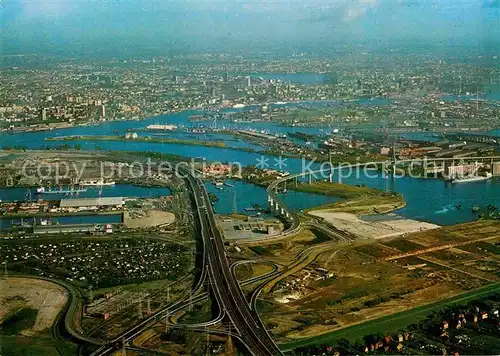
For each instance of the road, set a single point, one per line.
(392, 322)
(294, 219)
(215, 267)
(250, 329)
(228, 293)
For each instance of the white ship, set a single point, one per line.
(468, 179)
(42, 190)
(97, 183)
(168, 127)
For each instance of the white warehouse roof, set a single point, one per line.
(107, 201)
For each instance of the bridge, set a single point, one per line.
(226, 288)
(246, 324)
(279, 208)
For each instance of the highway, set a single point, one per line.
(250, 329)
(227, 291)
(249, 326)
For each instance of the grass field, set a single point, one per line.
(18, 321)
(358, 200)
(140, 139)
(260, 250)
(337, 189)
(391, 323)
(42, 345)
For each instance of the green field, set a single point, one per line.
(357, 199)
(20, 320)
(260, 250)
(390, 323)
(13, 343)
(140, 139)
(41, 345)
(336, 189)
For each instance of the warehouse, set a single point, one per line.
(92, 203)
(65, 228)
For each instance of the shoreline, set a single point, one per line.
(377, 229)
(347, 215)
(149, 139)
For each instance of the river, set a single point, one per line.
(427, 199)
(118, 190)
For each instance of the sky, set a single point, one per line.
(159, 26)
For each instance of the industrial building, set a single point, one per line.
(495, 170)
(92, 203)
(252, 228)
(65, 229)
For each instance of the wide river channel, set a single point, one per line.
(431, 200)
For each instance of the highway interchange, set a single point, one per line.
(219, 276)
(227, 290)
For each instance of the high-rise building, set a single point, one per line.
(249, 82)
(44, 114)
(103, 111)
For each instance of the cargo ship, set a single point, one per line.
(42, 190)
(97, 183)
(468, 179)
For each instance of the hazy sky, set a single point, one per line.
(100, 25)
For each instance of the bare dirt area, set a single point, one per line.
(46, 297)
(150, 218)
(351, 284)
(372, 229)
(475, 231)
